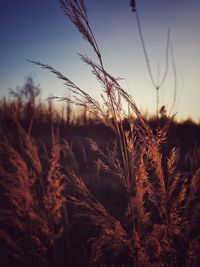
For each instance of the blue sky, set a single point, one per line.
(38, 30)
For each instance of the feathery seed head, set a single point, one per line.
(133, 5)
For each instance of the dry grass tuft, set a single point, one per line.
(31, 212)
(108, 240)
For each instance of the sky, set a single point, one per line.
(38, 30)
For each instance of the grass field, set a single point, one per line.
(65, 200)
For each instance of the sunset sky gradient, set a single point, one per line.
(38, 30)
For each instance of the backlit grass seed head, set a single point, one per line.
(133, 5)
(54, 199)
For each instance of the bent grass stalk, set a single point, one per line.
(156, 84)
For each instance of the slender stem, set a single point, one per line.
(168, 230)
(144, 49)
(133, 229)
(175, 78)
(157, 101)
(167, 217)
(166, 60)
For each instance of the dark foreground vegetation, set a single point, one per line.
(64, 202)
